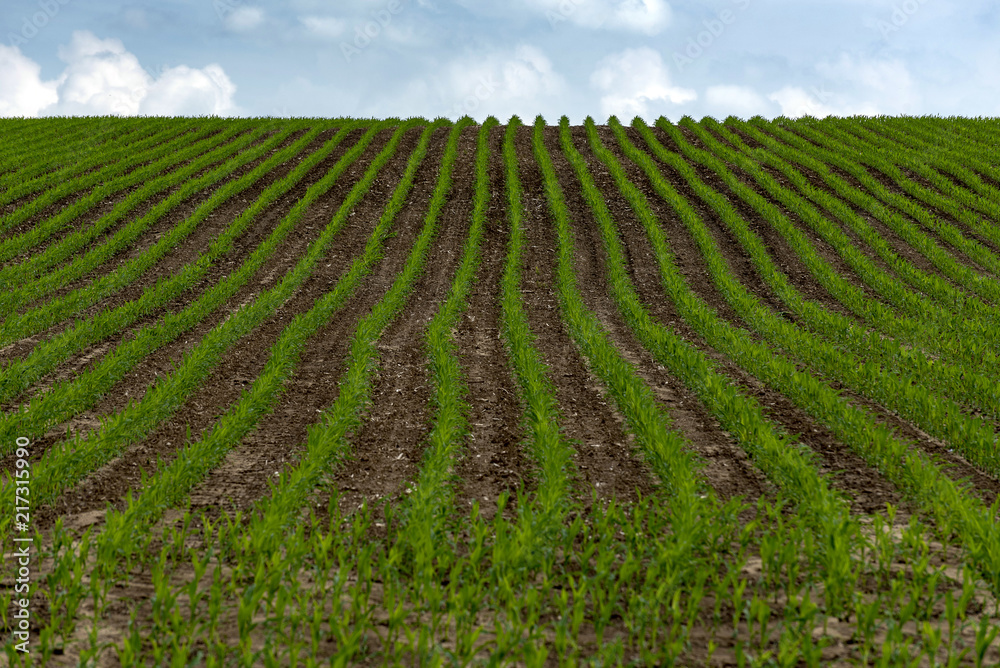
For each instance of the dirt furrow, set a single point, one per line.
(244, 362)
(605, 453)
(956, 466)
(188, 249)
(495, 460)
(823, 248)
(727, 467)
(865, 487)
(55, 207)
(946, 217)
(781, 252)
(895, 242)
(88, 218)
(285, 256)
(386, 451)
(200, 237)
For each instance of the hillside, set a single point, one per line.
(284, 392)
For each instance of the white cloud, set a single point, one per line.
(886, 85)
(741, 101)
(502, 84)
(243, 19)
(326, 27)
(649, 17)
(185, 91)
(853, 86)
(518, 81)
(22, 92)
(630, 80)
(644, 16)
(102, 78)
(795, 101)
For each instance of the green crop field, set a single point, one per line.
(409, 392)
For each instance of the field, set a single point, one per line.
(379, 392)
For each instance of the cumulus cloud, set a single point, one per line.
(187, 91)
(500, 83)
(648, 17)
(796, 101)
(852, 86)
(243, 19)
(632, 79)
(730, 100)
(102, 78)
(643, 16)
(885, 85)
(22, 92)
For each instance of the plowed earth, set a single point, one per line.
(388, 449)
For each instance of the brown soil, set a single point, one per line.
(605, 456)
(201, 237)
(727, 468)
(243, 363)
(896, 243)
(60, 204)
(196, 243)
(494, 460)
(386, 451)
(89, 217)
(867, 490)
(783, 254)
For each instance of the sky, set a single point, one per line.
(449, 58)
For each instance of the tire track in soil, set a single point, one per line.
(189, 248)
(864, 487)
(246, 359)
(95, 213)
(495, 459)
(604, 457)
(257, 232)
(727, 467)
(387, 450)
(206, 230)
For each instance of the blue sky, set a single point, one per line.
(379, 58)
